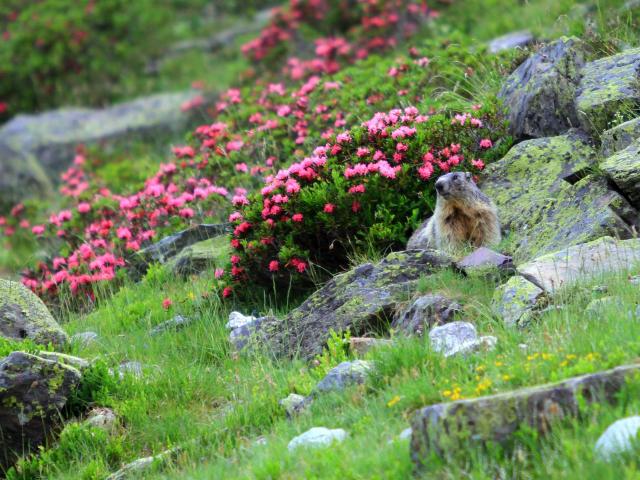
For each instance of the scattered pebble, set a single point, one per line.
(317, 437)
(618, 438)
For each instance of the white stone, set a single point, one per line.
(405, 434)
(318, 437)
(452, 338)
(618, 438)
(237, 320)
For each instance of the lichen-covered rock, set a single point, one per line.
(358, 300)
(23, 315)
(248, 333)
(619, 437)
(546, 200)
(424, 313)
(20, 176)
(513, 300)
(539, 94)
(344, 375)
(84, 339)
(137, 467)
(454, 338)
(238, 319)
(607, 86)
(511, 40)
(598, 306)
(174, 324)
(76, 362)
(102, 418)
(172, 245)
(623, 168)
(446, 426)
(33, 391)
(201, 256)
(620, 137)
(293, 404)
(317, 437)
(581, 262)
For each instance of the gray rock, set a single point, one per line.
(202, 256)
(52, 137)
(293, 404)
(454, 338)
(539, 94)
(620, 137)
(170, 246)
(424, 313)
(406, 434)
(547, 200)
(237, 320)
(581, 262)
(75, 362)
(485, 258)
(607, 86)
(511, 40)
(623, 168)
(361, 345)
(249, 333)
(344, 375)
(176, 323)
(635, 280)
(84, 339)
(102, 418)
(21, 176)
(357, 300)
(33, 391)
(23, 315)
(317, 437)
(130, 368)
(514, 299)
(496, 417)
(137, 467)
(598, 306)
(619, 437)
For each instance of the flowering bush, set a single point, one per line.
(341, 32)
(51, 47)
(367, 187)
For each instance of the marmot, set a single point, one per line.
(463, 215)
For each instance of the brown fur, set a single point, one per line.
(463, 215)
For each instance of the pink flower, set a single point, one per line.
(242, 167)
(38, 229)
(486, 143)
(186, 213)
(329, 207)
(274, 266)
(166, 303)
(84, 207)
(298, 217)
(479, 164)
(218, 273)
(357, 189)
(355, 206)
(123, 233)
(227, 292)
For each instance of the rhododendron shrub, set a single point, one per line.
(100, 232)
(366, 187)
(340, 31)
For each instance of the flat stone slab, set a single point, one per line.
(485, 258)
(607, 86)
(358, 300)
(495, 418)
(582, 262)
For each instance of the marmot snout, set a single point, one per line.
(463, 215)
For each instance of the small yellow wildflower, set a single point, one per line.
(499, 364)
(393, 401)
(506, 377)
(191, 296)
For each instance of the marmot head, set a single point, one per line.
(458, 185)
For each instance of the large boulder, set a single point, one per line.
(516, 299)
(624, 170)
(511, 40)
(547, 199)
(360, 300)
(539, 94)
(23, 315)
(32, 393)
(47, 142)
(582, 262)
(425, 312)
(447, 426)
(201, 256)
(607, 86)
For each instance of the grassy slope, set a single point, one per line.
(195, 392)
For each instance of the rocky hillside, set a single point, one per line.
(234, 282)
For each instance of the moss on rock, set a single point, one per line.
(517, 297)
(620, 137)
(624, 169)
(23, 315)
